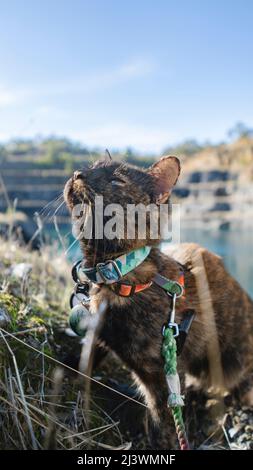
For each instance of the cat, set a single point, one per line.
(223, 324)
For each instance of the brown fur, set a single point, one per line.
(133, 326)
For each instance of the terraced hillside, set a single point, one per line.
(31, 184)
(215, 185)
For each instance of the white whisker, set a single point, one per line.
(50, 203)
(56, 210)
(73, 243)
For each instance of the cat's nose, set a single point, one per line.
(77, 174)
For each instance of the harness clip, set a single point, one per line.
(171, 323)
(175, 328)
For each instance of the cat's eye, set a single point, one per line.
(117, 182)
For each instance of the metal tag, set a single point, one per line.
(79, 319)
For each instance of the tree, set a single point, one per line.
(240, 130)
(187, 147)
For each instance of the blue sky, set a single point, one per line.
(137, 73)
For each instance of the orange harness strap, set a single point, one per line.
(127, 290)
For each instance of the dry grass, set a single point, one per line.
(41, 401)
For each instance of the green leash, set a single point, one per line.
(175, 400)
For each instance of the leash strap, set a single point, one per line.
(184, 327)
(173, 340)
(175, 399)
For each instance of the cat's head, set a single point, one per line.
(125, 186)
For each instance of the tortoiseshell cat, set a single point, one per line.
(133, 325)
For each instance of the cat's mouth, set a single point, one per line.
(78, 203)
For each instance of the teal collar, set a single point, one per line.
(112, 270)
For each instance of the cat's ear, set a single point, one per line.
(165, 174)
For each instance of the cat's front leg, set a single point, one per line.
(160, 425)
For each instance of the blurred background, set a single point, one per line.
(141, 79)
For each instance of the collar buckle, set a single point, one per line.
(108, 275)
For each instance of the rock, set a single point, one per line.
(232, 432)
(244, 417)
(235, 430)
(4, 318)
(251, 420)
(21, 270)
(236, 420)
(243, 438)
(249, 429)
